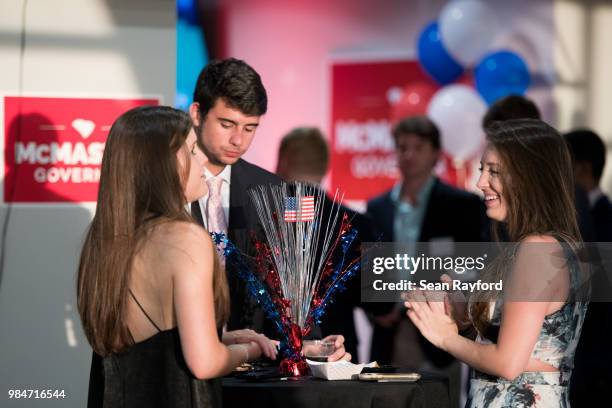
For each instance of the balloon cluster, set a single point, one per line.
(462, 39)
(460, 42)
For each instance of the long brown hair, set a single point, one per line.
(538, 186)
(140, 187)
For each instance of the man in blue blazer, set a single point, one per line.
(419, 208)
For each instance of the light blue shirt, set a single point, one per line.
(409, 218)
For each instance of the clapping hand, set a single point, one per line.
(455, 304)
(430, 315)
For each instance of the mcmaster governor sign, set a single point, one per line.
(53, 146)
(365, 98)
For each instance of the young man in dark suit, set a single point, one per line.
(229, 101)
(419, 208)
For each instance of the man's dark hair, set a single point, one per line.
(420, 126)
(234, 81)
(510, 107)
(587, 146)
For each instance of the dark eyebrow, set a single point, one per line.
(233, 122)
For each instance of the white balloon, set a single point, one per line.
(468, 28)
(457, 110)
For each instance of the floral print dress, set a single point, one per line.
(556, 345)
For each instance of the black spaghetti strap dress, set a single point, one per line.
(151, 373)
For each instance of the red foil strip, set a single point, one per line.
(294, 364)
(294, 368)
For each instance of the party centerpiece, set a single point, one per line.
(302, 263)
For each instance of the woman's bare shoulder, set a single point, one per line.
(181, 231)
(179, 242)
(539, 246)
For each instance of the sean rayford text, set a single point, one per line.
(413, 264)
(454, 285)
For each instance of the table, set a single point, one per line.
(429, 392)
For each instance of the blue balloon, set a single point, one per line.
(188, 10)
(500, 74)
(434, 58)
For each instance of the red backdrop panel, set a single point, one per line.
(363, 162)
(53, 146)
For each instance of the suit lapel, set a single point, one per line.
(242, 222)
(237, 218)
(388, 220)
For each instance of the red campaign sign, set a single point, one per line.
(363, 162)
(53, 146)
(367, 99)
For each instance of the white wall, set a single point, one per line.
(584, 64)
(72, 48)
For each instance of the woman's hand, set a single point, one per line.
(455, 304)
(245, 336)
(431, 318)
(253, 350)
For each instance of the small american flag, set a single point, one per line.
(290, 209)
(305, 211)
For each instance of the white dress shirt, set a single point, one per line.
(226, 175)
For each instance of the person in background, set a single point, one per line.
(510, 107)
(589, 154)
(229, 102)
(420, 208)
(303, 155)
(520, 107)
(592, 375)
(150, 292)
(523, 354)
